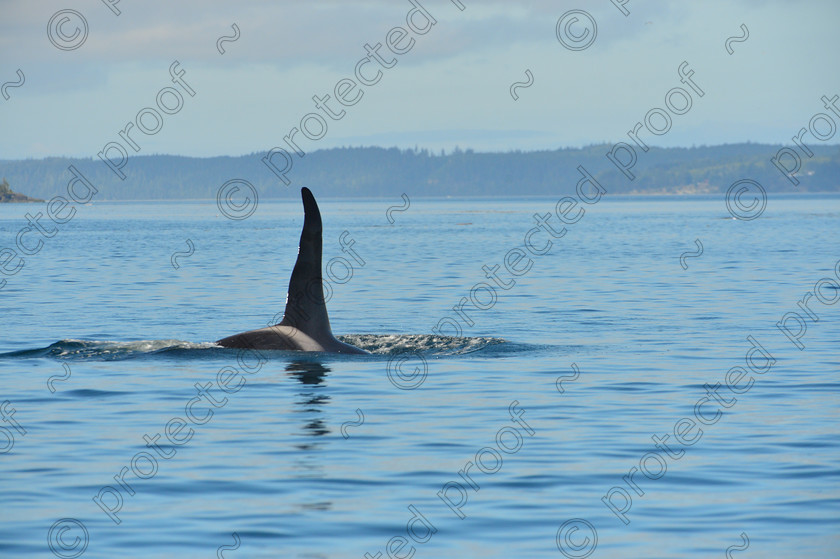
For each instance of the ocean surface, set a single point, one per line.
(606, 399)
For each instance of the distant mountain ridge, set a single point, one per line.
(381, 172)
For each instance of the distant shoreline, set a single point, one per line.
(607, 197)
(9, 196)
(26, 200)
(387, 173)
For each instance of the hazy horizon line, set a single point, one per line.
(432, 151)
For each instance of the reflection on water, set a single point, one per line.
(307, 372)
(311, 375)
(310, 402)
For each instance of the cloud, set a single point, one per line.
(451, 88)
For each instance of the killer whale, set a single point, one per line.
(306, 324)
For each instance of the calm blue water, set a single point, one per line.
(126, 337)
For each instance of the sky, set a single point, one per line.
(588, 72)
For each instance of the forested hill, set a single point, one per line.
(389, 172)
(7, 195)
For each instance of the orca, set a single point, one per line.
(306, 324)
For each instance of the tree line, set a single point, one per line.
(388, 172)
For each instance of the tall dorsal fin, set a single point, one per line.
(305, 306)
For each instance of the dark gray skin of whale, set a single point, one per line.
(306, 324)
